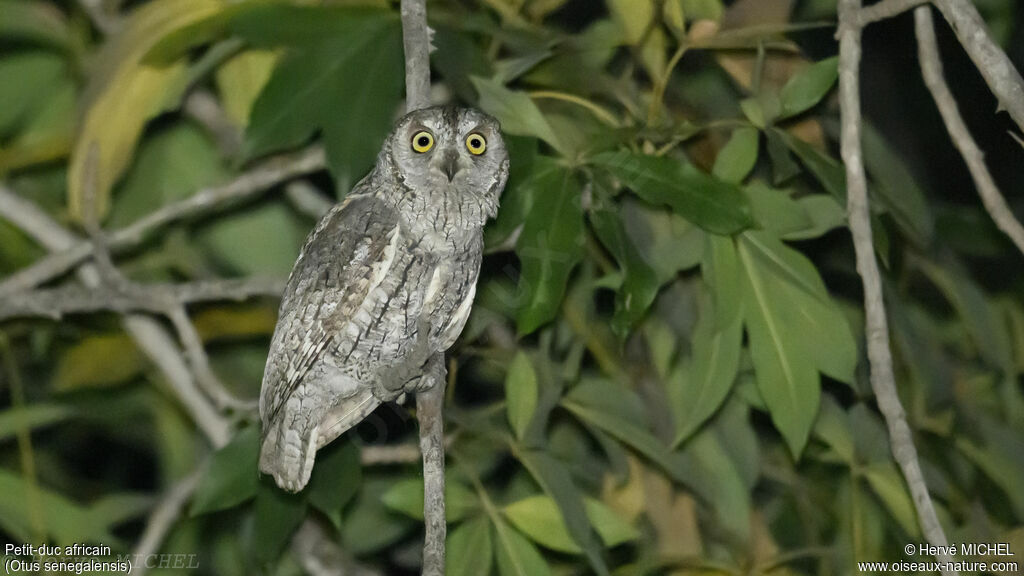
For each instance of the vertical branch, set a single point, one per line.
(429, 402)
(416, 40)
(931, 69)
(876, 325)
(429, 406)
(1003, 79)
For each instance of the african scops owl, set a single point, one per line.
(382, 287)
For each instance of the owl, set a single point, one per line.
(382, 287)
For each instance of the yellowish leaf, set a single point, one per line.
(235, 322)
(240, 80)
(99, 361)
(124, 94)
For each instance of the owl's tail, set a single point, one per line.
(291, 440)
(289, 449)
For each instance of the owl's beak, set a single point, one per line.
(450, 164)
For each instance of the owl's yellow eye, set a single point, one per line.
(422, 141)
(476, 144)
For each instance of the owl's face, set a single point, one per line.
(456, 150)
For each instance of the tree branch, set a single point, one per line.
(876, 324)
(931, 69)
(1003, 79)
(54, 303)
(429, 403)
(429, 412)
(158, 345)
(248, 184)
(416, 41)
(162, 520)
(148, 334)
(885, 9)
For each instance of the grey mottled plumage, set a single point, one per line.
(382, 287)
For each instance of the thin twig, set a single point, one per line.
(162, 520)
(885, 9)
(876, 326)
(202, 107)
(104, 21)
(158, 345)
(931, 69)
(54, 303)
(320, 556)
(305, 198)
(247, 185)
(149, 335)
(1003, 79)
(200, 363)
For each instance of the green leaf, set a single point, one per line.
(520, 393)
(538, 517)
(516, 111)
(241, 79)
(783, 165)
(272, 24)
(897, 189)
(469, 549)
(24, 77)
(739, 155)
(706, 201)
(786, 377)
(979, 316)
(612, 528)
(809, 86)
(240, 241)
(118, 508)
(370, 525)
(32, 417)
(516, 200)
(640, 284)
(336, 477)
(818, 326)
(618, 412)
(24, 505)
(232, 476)
(550, 244)
(713, 475)
(667, 242)
(516, 555)
(775, 210)
(825, 215)
(458, 58)
(406, 496)
(721, 270)
(87, 363)
(826, 169)
(124, 86)
(887, 484)
(833, 426)
(712, 371)
(999, 459)
(555, 480)
(312, 83)
(170, 166)
(277, 515)
(38, 22)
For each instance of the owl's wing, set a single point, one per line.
(336, 270)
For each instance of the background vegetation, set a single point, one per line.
(664, 372)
